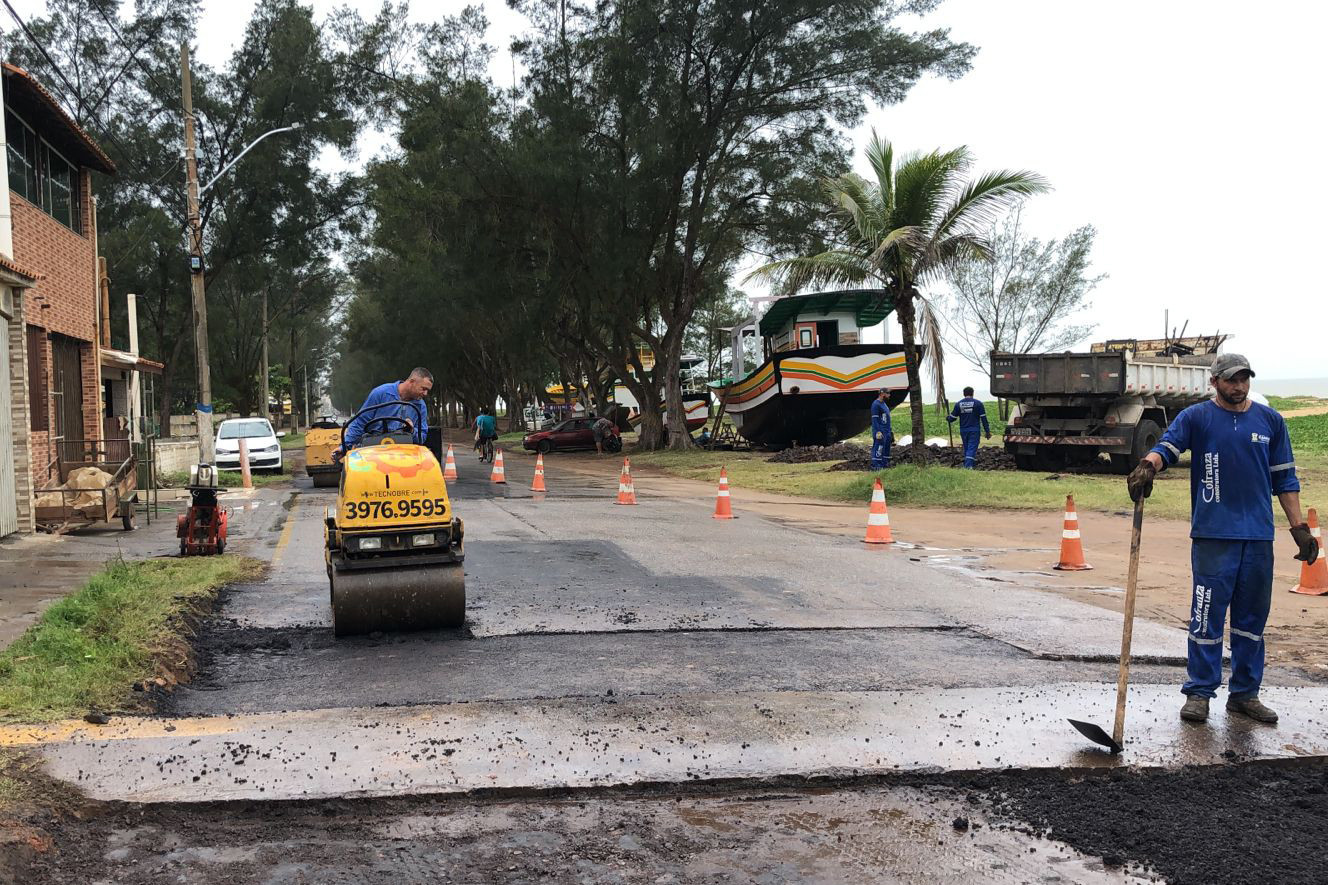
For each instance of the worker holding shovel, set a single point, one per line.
(1241, 458)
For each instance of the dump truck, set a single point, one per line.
(1117, 399)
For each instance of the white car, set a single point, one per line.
(264, 446)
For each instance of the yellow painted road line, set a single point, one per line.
(284, 540)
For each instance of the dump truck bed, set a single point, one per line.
(1172, 380)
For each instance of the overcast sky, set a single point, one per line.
(1188, 133)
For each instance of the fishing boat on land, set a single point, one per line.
(817, 380)
(696, 396)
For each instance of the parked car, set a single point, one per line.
(538, 419)
(574, 433)
(264, 446)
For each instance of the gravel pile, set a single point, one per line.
(812, 454)
(989, 458)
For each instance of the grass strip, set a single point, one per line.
(227, 479)
(912, 486)
(125, 625)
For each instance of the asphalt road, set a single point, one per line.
(747, 692)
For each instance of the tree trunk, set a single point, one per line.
(165, 391)
(905, 311)
(669, 360)
(650, 432)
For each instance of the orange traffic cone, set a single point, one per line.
(1314, 578)
(537, 485)
(1072, 548)
(498, 474)
(723, 507)
(626, 493)
(449, 466)
(878, 520)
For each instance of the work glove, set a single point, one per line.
(337, 454)
(1308, 544)
(1140, 481)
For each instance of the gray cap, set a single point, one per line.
(1228, 364)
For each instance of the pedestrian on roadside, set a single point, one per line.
(882, 439)
(969, 412)
(1241, 458)
(600, 429)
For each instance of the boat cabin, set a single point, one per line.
(810, 322)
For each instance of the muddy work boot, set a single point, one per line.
(1251, 707)
(1195, 709)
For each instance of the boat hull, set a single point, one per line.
(696, 408)
(815, 397)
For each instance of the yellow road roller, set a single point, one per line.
(319, 444)
(394, 549)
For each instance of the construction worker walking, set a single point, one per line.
(1241, 458)
(970, 412)
(882, 439)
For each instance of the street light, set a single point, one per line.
(224, 169)
(202, 408)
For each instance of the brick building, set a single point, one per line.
(48, 243)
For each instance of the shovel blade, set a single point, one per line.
(1095, 734)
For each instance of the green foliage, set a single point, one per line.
(1309, 433)
(545, 235)
(272, 222)
(1024, 297)
(920, 215)
(89, 648)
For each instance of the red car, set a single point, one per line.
(574, 433)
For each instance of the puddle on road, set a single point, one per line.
(903, 834)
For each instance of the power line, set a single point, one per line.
(133, 55)
(73, 91)
(40, 48)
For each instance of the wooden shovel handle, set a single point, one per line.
(1127, 631)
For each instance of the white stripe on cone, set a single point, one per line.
(1070, 533)
(878, 519)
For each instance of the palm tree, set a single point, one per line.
(903, 231)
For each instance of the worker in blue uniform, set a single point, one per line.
(413, 390)
(882, 439)
(970, 413)
(1241, 457)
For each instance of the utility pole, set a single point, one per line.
(263, 365)
(202, 408)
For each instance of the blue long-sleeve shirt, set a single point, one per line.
(1240, 460)
(969, 411)
(386, 393)
(880, 417)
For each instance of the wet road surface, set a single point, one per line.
(612, 645)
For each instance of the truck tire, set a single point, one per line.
(1146, 435)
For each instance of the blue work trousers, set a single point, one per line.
(1237, 575)
(880, 453)
(970, 438)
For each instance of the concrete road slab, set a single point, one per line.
(575, 743)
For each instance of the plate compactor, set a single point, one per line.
(393, 547)
(202, 528)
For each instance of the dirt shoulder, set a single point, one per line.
(1025, 545)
